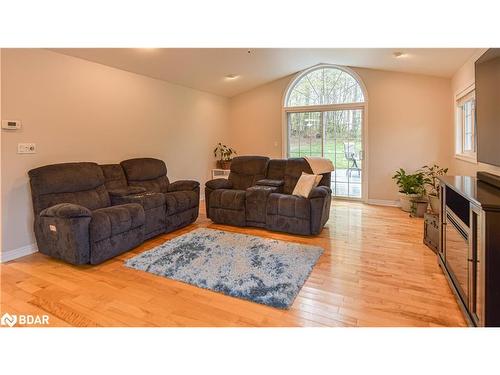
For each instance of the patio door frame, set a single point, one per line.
(328, 108)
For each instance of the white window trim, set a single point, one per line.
(360, 105)
(467, 156)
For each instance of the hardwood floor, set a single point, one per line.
(375, 271)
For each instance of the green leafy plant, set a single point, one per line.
(431, 174)
(225, 153)
(410, 183)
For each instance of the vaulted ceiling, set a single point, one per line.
(207, 68)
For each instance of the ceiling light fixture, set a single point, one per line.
(231, 77)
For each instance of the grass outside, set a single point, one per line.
(333, 150)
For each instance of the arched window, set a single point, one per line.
(324, 85)
(324, 110)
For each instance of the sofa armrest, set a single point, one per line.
(62, 231)
(66, 211)
(210, 186)
(320, 198)
(320, 192)
(219, 183)
(183, 185)
(129, 190)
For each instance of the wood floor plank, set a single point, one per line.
(374, 271)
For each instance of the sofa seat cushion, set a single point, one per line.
(111, 221)
(228, 199)
(151, 200)
(180, 201)
(289, 206)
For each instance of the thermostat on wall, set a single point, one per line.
(11, 124)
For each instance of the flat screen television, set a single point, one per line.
(488, 107)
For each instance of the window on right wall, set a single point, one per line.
(465, 117)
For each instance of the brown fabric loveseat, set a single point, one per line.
(258, 193)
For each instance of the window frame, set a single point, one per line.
(329, 107)
(466, 96)
(291, 86)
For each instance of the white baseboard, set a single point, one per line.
(18, 253)
(384, 202)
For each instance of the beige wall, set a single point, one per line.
(255, 120)
(75, 110)
(408, 120)
(461, 80)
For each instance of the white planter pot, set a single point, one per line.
(405, 200)
(435, 203)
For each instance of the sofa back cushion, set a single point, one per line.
(293, 170)
(77, 183)
(149, 173)
(247, 170)
(276, 169)
(114, 176)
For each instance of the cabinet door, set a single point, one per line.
(442, 223)
(457, 256)
(476, 267)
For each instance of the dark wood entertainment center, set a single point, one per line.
(469, 251)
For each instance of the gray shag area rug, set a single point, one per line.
(261, 270)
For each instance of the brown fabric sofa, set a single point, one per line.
(258, 193)
(86, 213)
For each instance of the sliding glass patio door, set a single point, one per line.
(336, 135)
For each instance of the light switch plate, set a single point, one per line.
(26, 148)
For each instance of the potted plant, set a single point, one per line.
(225, 155)
(411, 187)
(431, 174)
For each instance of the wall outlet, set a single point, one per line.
(26, 148)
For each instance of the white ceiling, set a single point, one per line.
(205, 69)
